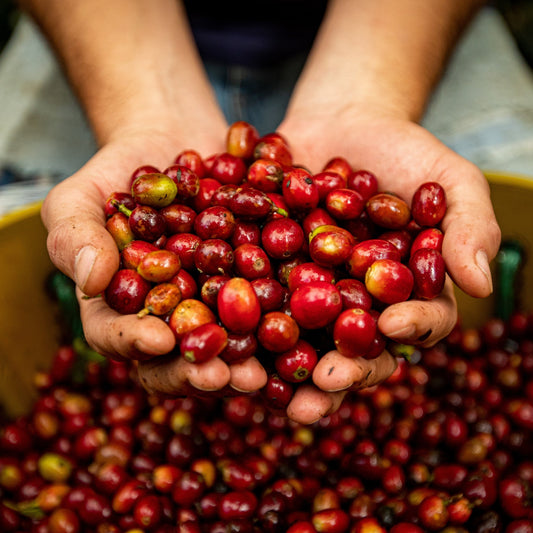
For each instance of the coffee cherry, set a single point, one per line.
(250, 204)
(344, 204)
(353, 332)
(147, 223)
(339, 165)
(192, 160)
(299, 190)
(155, 190)
(277, 331)
(184, 245)
(238, 306)
(210, 289)
(118, 226)
(365, 253)
(127, 291)
(228, 169)
(330, 248)
(215, 222)
(297, 364)
(270, 292)
(241, 139)
(315, 305)
(179, 218)
(428, 238)
(388, 211)
(282, 238)
(213, 256)
(159, 266)
(186, 180)
(278, 392)
(429, 273)
(429, 204)
(309, 272)
(251, 262)
(203, 343)
(116, 199)
(328, 181)
(354, 294)
(389, 281)
(364, 182)
(239, 347)
(273, 147)
(161, 300)
(132, 254)
(188, 315)
(265, 175)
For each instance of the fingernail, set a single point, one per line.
(242, 391)
(482, 263)
(84, 264)
(407, 332)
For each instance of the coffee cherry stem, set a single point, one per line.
(143, 312)
(122, 208)
(280, 211)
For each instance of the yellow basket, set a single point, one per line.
(29, 329)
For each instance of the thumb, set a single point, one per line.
(78, 243)
(471, 235)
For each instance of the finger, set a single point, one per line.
(173, 375)
(421, 322)
(471, 233)
(78, 243)
(248, 376)
(310, 404)
(112, 334)
(212, 375)
(334, 372)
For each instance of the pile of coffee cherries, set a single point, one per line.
(244, 253)
(444, 445)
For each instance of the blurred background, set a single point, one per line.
(483, 108)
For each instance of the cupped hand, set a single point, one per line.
(403, 155)
(81, 247)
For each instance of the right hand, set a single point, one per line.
(81, 247)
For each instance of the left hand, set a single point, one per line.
(402, 155)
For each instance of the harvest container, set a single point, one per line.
(29, 326)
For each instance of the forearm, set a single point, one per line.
(387, 54)
(130, 63)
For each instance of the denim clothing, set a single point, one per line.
(257, 95)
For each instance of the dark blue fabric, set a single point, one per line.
(254, 33)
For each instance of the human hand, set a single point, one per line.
(81, 247)
(403, 155)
